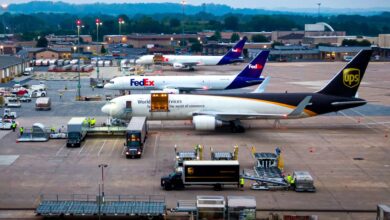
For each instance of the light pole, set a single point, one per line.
(120, 22)
(78, 23)
(98, 23)
(102, 165)
(183, 3)
(319, 7)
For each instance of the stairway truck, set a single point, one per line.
(136, 132)
(77, 130)
(204, 172)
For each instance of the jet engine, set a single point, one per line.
(171, 91)
(206, 122)
(178, 66)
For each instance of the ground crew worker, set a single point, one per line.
(13, 126)
(289, 179)
(242, 182)
(21, 130)
(292, 183)
(52, 130)
(89, 121)
(93, 121)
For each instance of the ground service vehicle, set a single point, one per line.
(12, 102)
(43, 103)
(8, 114)
(5, 124)
(77, 130)
(204, 172)
(303, 181)
(135, 137)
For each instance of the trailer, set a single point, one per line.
(136, 133)
(43, 103)
(207, 172)
(77, 130)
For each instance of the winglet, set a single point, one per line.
(301, 106)
(263, 85)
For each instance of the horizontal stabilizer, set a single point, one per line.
(301, 106)
(261, 88)
(348, 103)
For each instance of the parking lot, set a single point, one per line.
(347, 153)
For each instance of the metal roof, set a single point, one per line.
(7, 61)
(342, 49)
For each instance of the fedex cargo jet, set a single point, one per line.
(249, 76)
(188, 61)
(208, 111)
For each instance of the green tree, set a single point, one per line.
(352, 43)
(196, 47)
(216, 37)
(103, 50)
(42, 42)
(258, 38)
(231, 22)
(174, 22)
(235, 37)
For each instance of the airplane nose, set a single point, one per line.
(108, 86)
(138, 61)
(110, 109)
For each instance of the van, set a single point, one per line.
(43, 103)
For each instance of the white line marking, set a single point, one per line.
(59, 150)
(82, 147)
(113, 146)
(101, 148)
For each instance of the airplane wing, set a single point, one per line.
(186, 87)
(263, 85)
(230, 116)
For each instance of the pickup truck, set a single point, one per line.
(5, 124)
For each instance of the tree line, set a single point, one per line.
(30, 26)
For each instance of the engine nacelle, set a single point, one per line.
(171, 91)
(178, 66)
(206, 122)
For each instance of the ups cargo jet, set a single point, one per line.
(213, 110)
(189, 61)
(249, 76)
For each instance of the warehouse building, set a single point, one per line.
(10, 67)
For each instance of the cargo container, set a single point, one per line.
(77, 130)
(135, 137)
(43, 103)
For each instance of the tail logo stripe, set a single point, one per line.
(351, 77)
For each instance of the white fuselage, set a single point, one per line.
(184, 106)
(181, 59)
(175, 82)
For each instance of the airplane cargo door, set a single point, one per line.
(159, 102)
(128, 109)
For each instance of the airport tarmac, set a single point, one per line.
(347, 153)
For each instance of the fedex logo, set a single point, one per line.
(237, 50)
(256, 66)
(144, 82)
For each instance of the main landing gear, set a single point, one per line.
(236, 127)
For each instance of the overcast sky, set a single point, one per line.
(266, 4)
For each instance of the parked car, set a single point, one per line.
(25, 98)
(5, 124)
(12, 102)
(38, 93)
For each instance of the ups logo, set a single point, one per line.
(351, 77)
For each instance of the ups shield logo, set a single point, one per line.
(351, 77)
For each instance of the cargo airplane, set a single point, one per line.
(249, 76)
(208, 111)
(189, 61)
